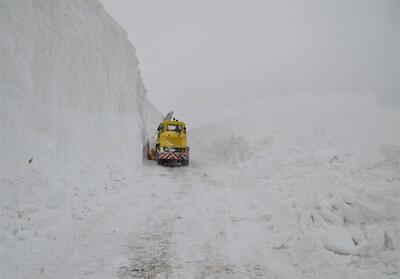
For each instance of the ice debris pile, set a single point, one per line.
(332, 208)
(346, 203)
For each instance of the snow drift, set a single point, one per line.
(328, 203)
(73, 110)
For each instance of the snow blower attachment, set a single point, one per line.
(170, 143)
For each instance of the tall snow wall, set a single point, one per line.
(73, 107)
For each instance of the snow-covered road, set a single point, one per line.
(193, 222)
(264, 217)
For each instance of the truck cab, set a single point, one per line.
(171, 146)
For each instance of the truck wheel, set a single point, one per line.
(185, 163)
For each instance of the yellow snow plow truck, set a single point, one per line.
(170, 143)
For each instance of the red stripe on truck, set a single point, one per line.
(172, 156)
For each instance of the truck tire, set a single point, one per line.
(185, 162)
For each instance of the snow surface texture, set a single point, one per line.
(76, 202)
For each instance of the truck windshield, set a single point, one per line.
(174, 128)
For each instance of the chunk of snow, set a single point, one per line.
(387, 242)
(371, 211)
(337, 239)
(363, 248)
(317, 219)
(377, 239)
(324, 202)
(353, 215)
(356, 234)
(331, 217)
(339, 213)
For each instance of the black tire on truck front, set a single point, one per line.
(185, 162)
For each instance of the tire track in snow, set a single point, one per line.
(138, 220)
(186, 237)
(149, 249)
(198, 245)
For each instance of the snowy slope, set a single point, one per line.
(73, 114)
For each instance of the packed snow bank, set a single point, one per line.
(73, 114)
(71, 86)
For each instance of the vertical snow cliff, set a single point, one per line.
(73, 107)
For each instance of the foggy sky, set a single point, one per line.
(199, 56)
